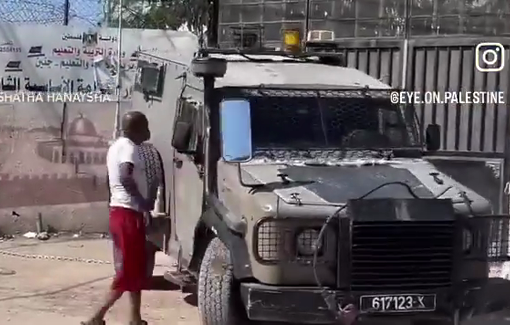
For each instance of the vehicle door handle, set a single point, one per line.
(177, 162)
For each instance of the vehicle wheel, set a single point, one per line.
(219, 302)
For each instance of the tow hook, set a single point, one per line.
(348, 314)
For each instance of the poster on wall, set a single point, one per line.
(53, 153)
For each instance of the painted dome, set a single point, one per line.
(82, 126)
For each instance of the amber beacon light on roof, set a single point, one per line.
(292, 42)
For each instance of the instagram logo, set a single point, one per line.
(490, 57)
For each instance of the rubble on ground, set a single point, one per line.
(30, 235)
(43, 236)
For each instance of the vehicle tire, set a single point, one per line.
(153, 163)
(219, 302)
(154, 174)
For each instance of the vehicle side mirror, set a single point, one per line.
(182, 137)
(433, 137)
(236, 130)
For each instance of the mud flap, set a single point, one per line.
(233, 241)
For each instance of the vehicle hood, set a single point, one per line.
(335, 185)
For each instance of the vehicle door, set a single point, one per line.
(187, 178)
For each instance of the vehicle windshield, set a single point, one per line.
(329, 122)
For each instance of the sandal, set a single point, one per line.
(142, 322)
(94, 322)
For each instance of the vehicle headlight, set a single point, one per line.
(307, 242)
(467, 240)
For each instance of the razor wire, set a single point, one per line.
(139, 14)
(58, 12)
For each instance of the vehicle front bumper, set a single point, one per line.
(306, 305)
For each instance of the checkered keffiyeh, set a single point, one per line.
(154, 174)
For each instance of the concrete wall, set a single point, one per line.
(52, 154)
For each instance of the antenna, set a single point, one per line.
(116, 129)
(213, 23)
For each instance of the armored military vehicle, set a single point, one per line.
(298, 192)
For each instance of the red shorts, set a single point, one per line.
(127, 229)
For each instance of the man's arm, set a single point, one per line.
(127, 159)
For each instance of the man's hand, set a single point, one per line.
(148, 219)
(146, 205)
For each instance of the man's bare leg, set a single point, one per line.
(111, 298)
(135, 301)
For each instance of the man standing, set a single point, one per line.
(127, 180)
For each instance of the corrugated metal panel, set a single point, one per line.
(466, 127)
(443, 65)
(381, 63)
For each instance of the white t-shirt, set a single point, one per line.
(121, 151)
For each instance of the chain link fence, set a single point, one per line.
(57, 12)
(141, 14)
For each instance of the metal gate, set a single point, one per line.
(472, 134)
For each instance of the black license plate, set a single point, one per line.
(399, 303)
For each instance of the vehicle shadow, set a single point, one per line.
(191, 299)
(158, 283)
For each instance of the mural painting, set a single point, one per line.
(62, 162)
(54, 153)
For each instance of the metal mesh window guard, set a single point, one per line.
(341, 119)
(498, 237)
(488, 237)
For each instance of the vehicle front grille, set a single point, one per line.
(401, 255)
